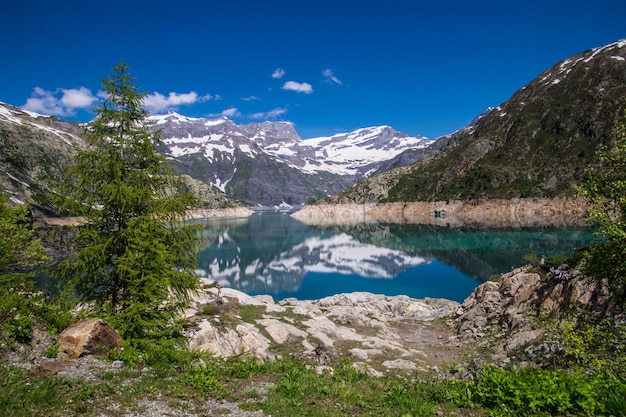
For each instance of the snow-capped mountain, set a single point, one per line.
(264, 164)
(34, 151)
(269, 164)
(362, 151)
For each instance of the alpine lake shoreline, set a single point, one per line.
(384, 330)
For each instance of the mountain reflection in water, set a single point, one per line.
(272, 253)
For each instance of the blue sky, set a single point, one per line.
(327, 66)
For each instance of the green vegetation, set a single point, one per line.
(20, 250)
(538, 392)
(21, 307)
(134, 260)
(190, 381)
(606, 191)
(591, 342)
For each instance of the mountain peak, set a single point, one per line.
(172, 117)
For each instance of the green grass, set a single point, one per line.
(294, 387)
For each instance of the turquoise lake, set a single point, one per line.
(272, 253)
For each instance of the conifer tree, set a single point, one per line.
(20, 249)
(134, 257)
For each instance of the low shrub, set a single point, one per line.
(534, 391)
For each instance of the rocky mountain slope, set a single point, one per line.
(537, 144)
(268, 164)
(36, 149)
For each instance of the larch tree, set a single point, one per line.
(135, 257)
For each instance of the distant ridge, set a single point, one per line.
(267, 164)
(260, 164)
(539, 143)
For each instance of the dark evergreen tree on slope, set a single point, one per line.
(135, 260)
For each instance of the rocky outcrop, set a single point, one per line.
(503, 314)
(379, 332)
(518, 212)
(497, 323)
(86, 337)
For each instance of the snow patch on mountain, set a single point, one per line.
(349, 153)
(172, 117)
(16, 115)
(355, 153)
(565, 67)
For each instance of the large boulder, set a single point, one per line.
(88, 337)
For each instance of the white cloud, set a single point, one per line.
(298, 87)
(157, 102)
(278, 73)
(328, 73)
(272, 114)
(65, 101)
(62, 102)
(231, 112)
(77, 98)
(250, 98)
(102, 94)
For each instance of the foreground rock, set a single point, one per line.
(497, 323)
(503, 315)
(87, 337)
(378, 332)
(518, 212)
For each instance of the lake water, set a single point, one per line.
(272, 253)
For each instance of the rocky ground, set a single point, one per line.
(496, 324)
(380, 333)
